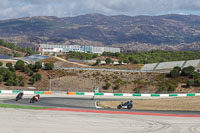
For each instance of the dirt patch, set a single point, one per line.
(178, 103)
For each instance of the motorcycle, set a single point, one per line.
(126, 105)
(34, 99)
(19, 96)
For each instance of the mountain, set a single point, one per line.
(172, 32)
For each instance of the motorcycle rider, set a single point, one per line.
(19, 96)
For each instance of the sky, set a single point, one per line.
(68, 8)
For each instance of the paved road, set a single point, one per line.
(84, 103)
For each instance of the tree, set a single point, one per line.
(120, 62)
(11, 68)
(1, 63)
(98, 61)
(187, 71)
(49, 66)
(130, 59)
(19, 65)
(10, 82)
(9, 64)
(177, 68)
(108, 61)
(1, 78)
(174, 73)
(37, 66)
(126, 61)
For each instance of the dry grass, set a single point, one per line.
(125, 66)
(178, 103)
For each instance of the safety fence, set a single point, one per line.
(100, 94)
(136, 95)
(25, 92)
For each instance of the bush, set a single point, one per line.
(9, 64)
(108, 61)
(10, 82)
(19, 65)
(163, 89)
(126, 61)
(32, 80)
(98, 61)
(36, 66)
(106, 86)
(1, 78)
(31, 73)
(187, 71)
(1, 64)
(189, 83)
(11, 68)
(174, 73)
(38, 76)
(177, 68)
(172, 88)
(197, 82)
(116, 87)
(49, 66)
(120, 62)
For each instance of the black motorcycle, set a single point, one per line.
(19, 96)
(126, 105)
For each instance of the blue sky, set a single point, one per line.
(62, 8)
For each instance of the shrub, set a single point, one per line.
(172, 88)
(177, 68)
(38, 76)
(32, 80)
(187, 71)
(9, 64)
(19, 65)
(174, 73)
(116, 87)
(120, 62)
(1, 78)
(49, 66)
(189, 83)
(98, 61)
(197, 82)
(106, 86)
(108, 61)
(163, 89)
(1, 63)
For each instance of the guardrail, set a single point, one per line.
(100, 94)
(131, 95)
(25, 92)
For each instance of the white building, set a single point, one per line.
(51, 48)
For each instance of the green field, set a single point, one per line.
(21, 106)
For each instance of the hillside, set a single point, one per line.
(167, 32)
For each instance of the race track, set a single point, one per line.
(85, 103)
(50, 121)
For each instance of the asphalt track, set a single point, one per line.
(72, 118)
(86, 103)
